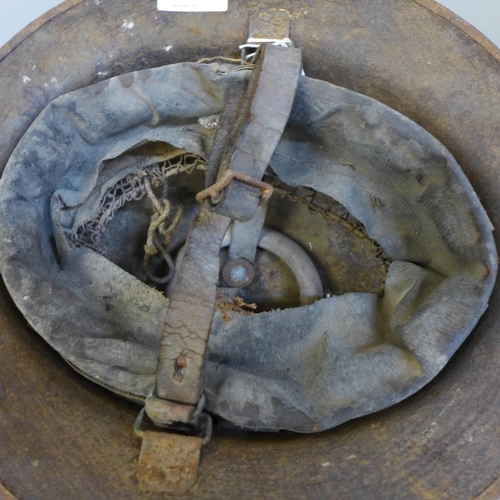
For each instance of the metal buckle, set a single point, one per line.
(249, 49)
(170, 455)
(215, 190)
(199, 425)
(202, 429)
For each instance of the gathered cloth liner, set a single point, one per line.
(304, 369)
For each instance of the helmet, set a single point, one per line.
(376, 261)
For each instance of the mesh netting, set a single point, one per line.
(301, 368)
(332, 210)
(133, 187)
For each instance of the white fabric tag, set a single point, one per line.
(193, 5)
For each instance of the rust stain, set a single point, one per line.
(5, 494)
(226, 304)
(38, 23)
(168, 463)
(463, 25)
(490, 493)
(67, 434)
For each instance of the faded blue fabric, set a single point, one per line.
(304, 369)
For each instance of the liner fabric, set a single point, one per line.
(305, 369)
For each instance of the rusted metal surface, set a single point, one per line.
(215, 190)
(168, 462)
(303, 268)
(238, 273)
(6, 495)
(348, 260)
(35, 25)
(63, 437)
(270, 24)
(491, 493)
(460, 23)
(164, 412)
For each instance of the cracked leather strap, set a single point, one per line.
(249, 131)
(251, 141)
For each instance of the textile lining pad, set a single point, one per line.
(303, 369)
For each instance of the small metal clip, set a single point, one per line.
(266, 27)
(199, 424)
(215, 190)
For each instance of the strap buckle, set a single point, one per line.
(198, 424)
(215, 190)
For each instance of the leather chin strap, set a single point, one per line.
(249, 131)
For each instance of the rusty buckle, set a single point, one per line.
(198, 424)
(215, 190)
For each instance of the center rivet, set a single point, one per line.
(238, 273)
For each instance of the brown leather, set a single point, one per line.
(189, 316)
(244, 143)
(257, 129)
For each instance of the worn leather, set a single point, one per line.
(303, 369)
(248, 137)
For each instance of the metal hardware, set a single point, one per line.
(246, 235)
(238, 273)
(168, 463)
(267, 27)
(303, 268)
(198, 424)
(249, 49)
(72, 465)
(215, 190)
